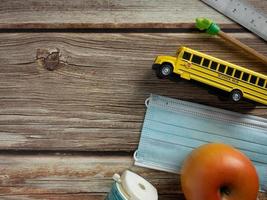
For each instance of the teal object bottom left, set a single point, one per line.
(114, 193)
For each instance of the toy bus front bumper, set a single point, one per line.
(155, 66)
(156, 63)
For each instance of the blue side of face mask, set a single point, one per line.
(173, 128)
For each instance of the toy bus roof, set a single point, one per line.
(183, 48)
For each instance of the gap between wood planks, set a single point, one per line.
(128, 28)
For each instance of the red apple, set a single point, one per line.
(219, 172)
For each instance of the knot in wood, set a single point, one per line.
(51, 61)
(49, 57)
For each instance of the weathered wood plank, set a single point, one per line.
(53, 196)
(89, 196)
(28, 177)
(86, 196)
(74, 174)
(47, 14)
(94, 101)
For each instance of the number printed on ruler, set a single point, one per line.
(243, 13)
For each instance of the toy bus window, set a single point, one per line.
(205, 63)
(196, 59)
(245, 77)
(222, 68)
(253, 79)
(229, 71)
(261, 82)
(237, 74)
(186, 55)
(214, 65)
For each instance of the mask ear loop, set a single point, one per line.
(147, 101)
(135, 155)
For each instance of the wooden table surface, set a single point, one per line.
(74, 76)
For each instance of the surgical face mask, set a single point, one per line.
(173, 128)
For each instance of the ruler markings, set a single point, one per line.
(243, 13)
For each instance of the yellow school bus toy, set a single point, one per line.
(238, 81)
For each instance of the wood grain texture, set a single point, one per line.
(49, 14)
(84, 92)
(28, 177)
(59, 175)
(94, 100)
(84, 196)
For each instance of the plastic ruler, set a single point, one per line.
(243, 13)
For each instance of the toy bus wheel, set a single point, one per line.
(164, 70)
(236, 95)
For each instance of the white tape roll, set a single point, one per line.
(137, 187)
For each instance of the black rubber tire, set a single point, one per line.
(165, 70)
(236, 95)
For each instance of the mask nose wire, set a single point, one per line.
(135, 153)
